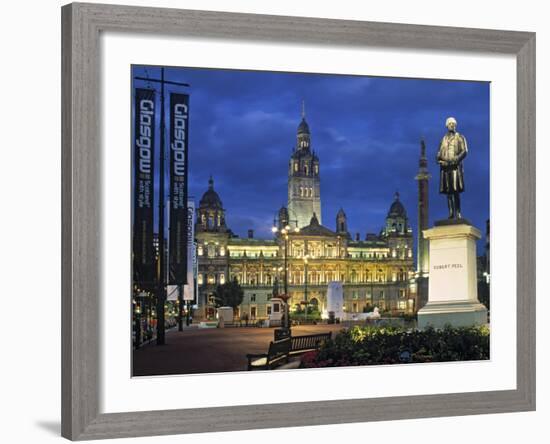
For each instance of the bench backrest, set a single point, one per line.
(309, 342)
(278, 349)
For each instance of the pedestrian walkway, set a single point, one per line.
(197, 350)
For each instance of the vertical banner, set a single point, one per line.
(144, 154)
(179, 115)
(188, 294)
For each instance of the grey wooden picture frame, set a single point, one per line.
(82, 25)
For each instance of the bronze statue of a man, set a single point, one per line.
(452, 150)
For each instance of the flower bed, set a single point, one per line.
(389, 345)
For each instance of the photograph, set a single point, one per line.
(291, 221)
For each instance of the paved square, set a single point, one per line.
(216, 350)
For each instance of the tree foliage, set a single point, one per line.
(229, 294)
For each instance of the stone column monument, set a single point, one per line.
(452, 288)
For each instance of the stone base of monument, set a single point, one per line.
(456, 314)
(452, 287)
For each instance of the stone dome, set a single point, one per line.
(397, 209)
(210, 198)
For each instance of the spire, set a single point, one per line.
(396, 195)
(210, 183)
(422, 148)
(314, 220)
(341, 221)
(303, 109)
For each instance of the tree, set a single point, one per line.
(229, 294)
(483, 293)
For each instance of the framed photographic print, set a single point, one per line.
(263, 213)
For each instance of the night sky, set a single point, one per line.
(365, 130)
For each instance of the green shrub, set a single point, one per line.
(373, 345)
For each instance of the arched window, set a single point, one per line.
(305, 169)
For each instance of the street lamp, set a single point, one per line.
(276, 273)
(306, 257)
(284, 232)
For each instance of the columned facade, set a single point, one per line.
(376, 271)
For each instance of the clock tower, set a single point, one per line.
(304, 191)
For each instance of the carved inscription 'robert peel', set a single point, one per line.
(445, 266)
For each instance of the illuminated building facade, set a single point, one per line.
(376, 270)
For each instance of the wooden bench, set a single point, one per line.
(279, 351)
(277, 354)
(301, 344)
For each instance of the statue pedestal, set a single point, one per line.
(452, 293)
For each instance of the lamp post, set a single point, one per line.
(276, 272)
(284, 232)
(306, 257)
(375, 271)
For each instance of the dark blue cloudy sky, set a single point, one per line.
(365, 130)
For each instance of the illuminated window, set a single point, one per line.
(222, 278)
(211, 279)
(200, 250)
(222, 251)
(296, 166)
(211, 250)
(316, 169)
(200, 279)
